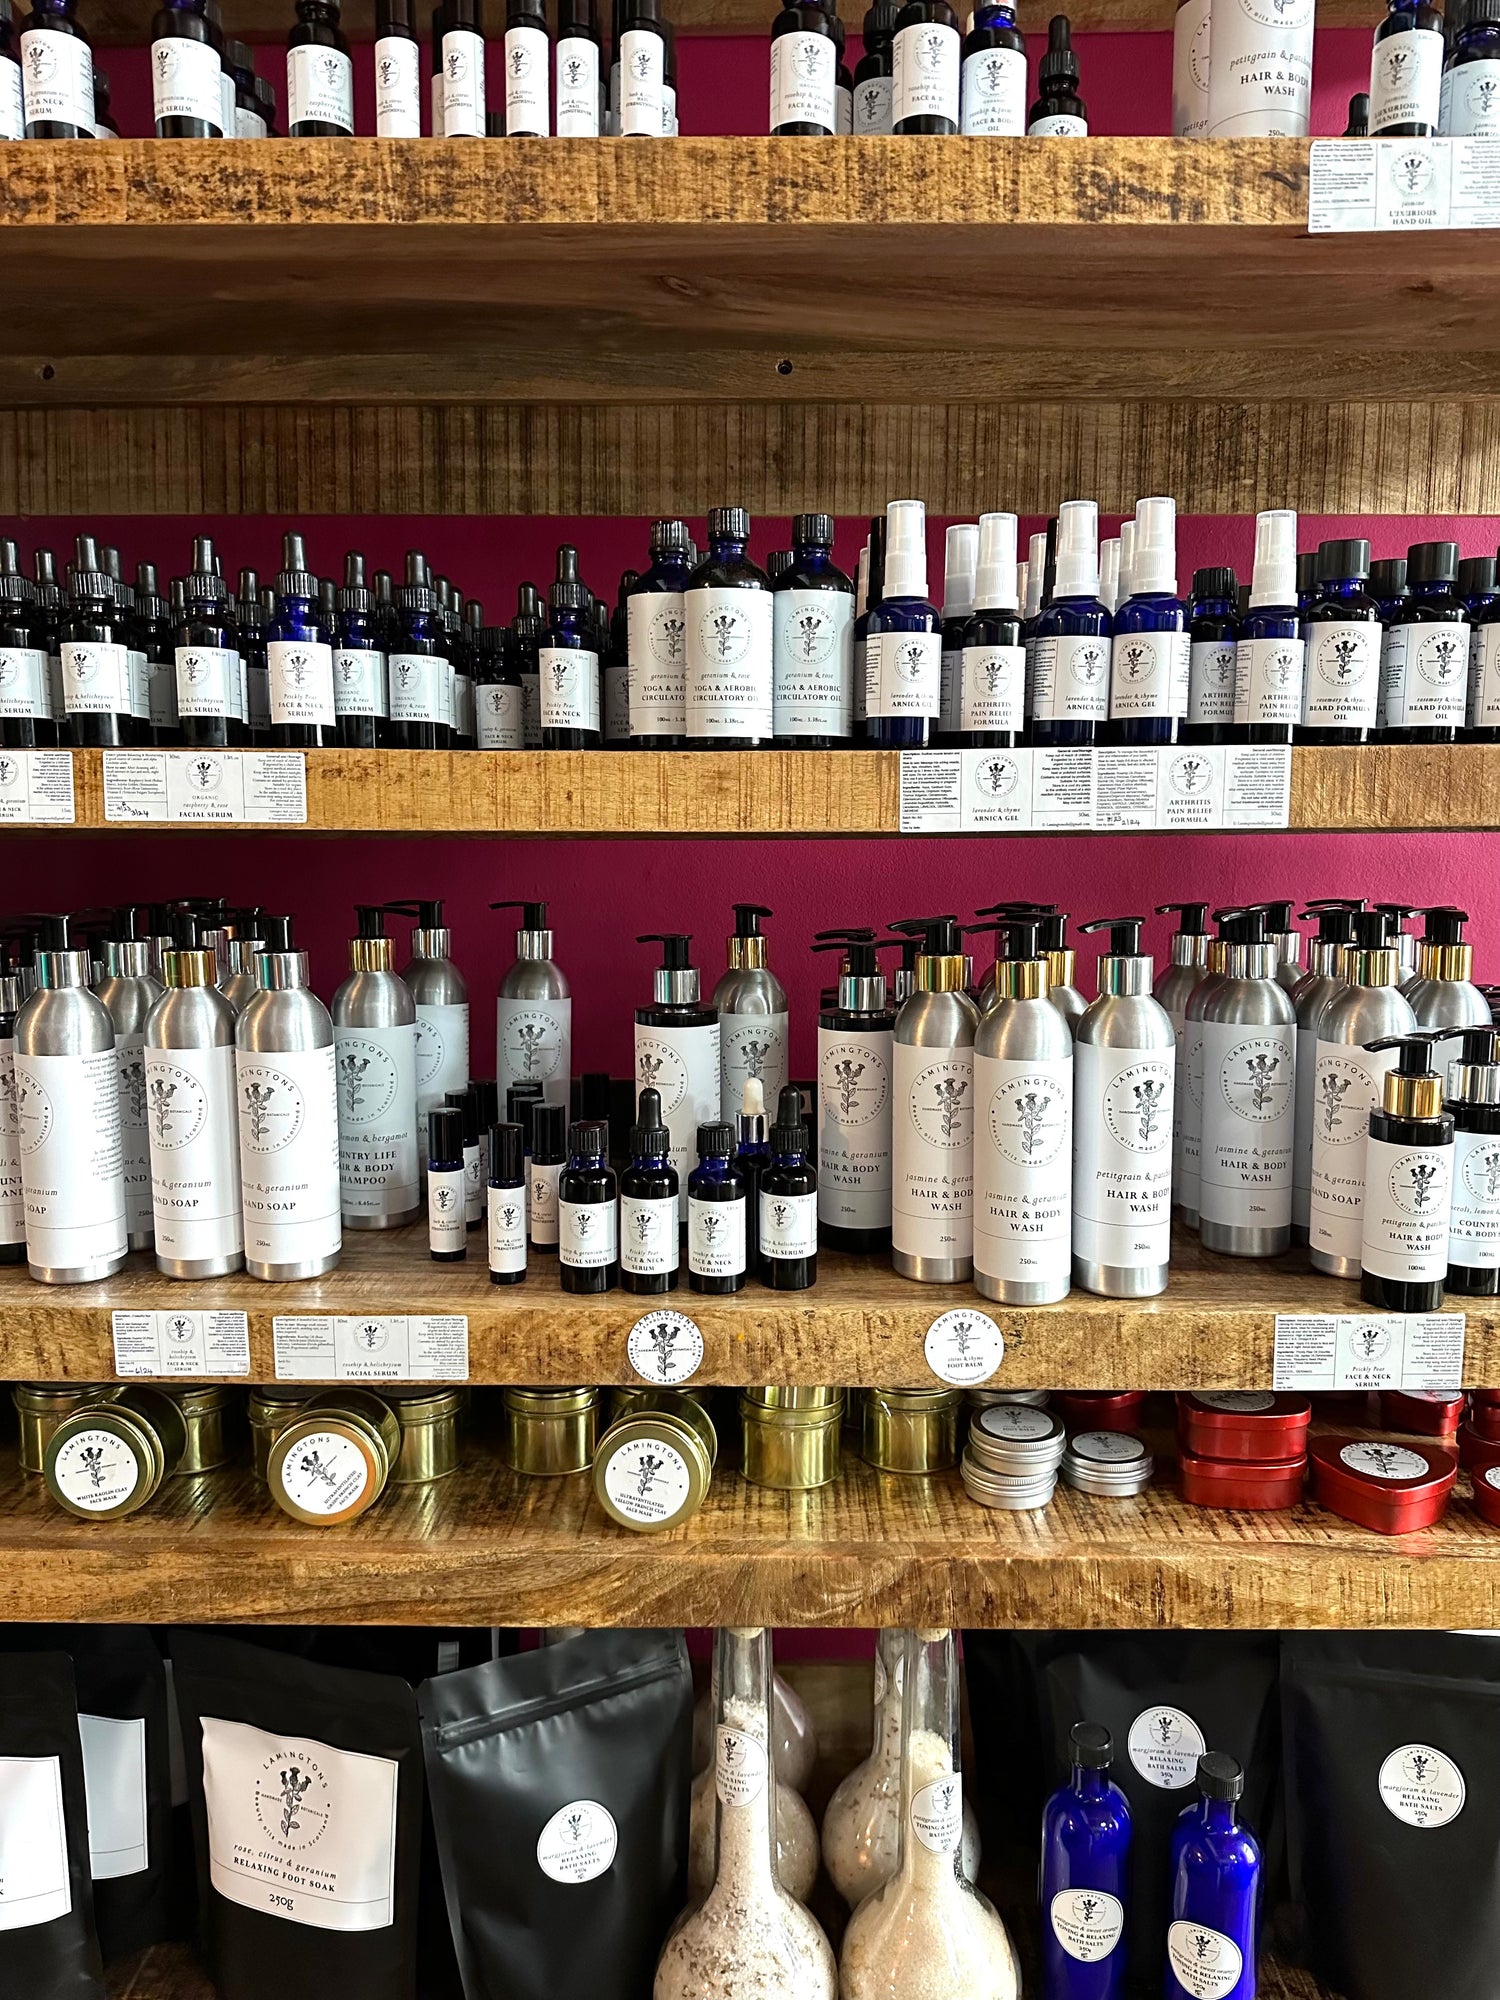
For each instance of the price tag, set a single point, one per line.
(197, 787)
(36, 788)
(347, 1347)
(964, 1347)
(665, 1347)
(1177, 787)
(174, 1344)
(1363, 1351)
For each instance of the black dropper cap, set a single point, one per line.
(880, 21)
(355, 596)
(789, 1130)
(649, 1138)
(1124, 934)
(467, 1106)
(529, 619)
(715, 1142)
(90, 579)
(812, 531)
(14, 588)
(1092, 1745)
(204, 585)
(728, 524)
(1220, 1776)
(594, 1093)
(1444, 924)
(1059, 64)
(507, 1154)
(1476, 574)
(1431, 562)
(1388, 577)
(445, 1133)
(1359, 116)
(589, 1138)
(533, 915)
(417, 593)
(295, 579)
(1215, 583)
(1339, 560)
(568, 592)
(1194, 917)
(549, 1129)
(674, 948)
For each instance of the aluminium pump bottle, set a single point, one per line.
(319, 74)
(359, 669)
(677, 1052)
(1173, 989)
(1322, 983)
(754, 1022)
(1085, 1875)
(26, 718)
(650, 1233)
(1068, 640)
(1473, 1097)
(57, 73)
(130, 990)
(730, 647)
(288, 1119)
(804, 72)
(238, 983)
(534, 1012)
(1249, 1041)
(812, 649)
(786, 1229)
(1288, 943)
(656, 642)
(208, 670)
(932, 1142)
(95, 658)
(191, 1117)
(68, 1116)
(375, 1062)
(990, 702)
(854, 1102)
(442, 1002)
(1348, 1083)
(1216, 1890)
(1408, 1182)
(1125, 1061)
(1442, 992)
(568, 662)
(1151, 653)
(12, 1193)
(903, 638)
(299, 658)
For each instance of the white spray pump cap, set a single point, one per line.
(1275, 575)
(906, 549)
(1077, 549)
(862, 583)
(1023, 571)
(1036, 575)
(1125, 589)
(1109, 572)
(995, 580)
(1153, 562)
(960, 553)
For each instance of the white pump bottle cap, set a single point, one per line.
(1153, 562)
(960, 554)
(1023, 570)
(906, 549)
(1275, 575)
(1109, 572)
(995, 580)
(1125, 589)
(862, 584)
(1077, 549)
(1036, 574)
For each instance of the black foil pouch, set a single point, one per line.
(47, 1942)
(305, 1784)
(559, 1783)
(1393, 1811)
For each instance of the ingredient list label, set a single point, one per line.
(406, 1347)
(36, 788)
(1364, 184)
(168, 1344)
(194, 787)
(1369, 1351)
(1178, 787)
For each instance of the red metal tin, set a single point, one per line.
(1475, 1450)
(1427, 1414)
(1248, 1424)
(1392, 1488)
(1484, 1413)
(1487, 1494)
(1264, 1485)
(1101, 1410)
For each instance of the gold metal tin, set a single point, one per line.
(41, 1407)
(796, 1399)
(634, 1397)
(269, 1407)
(367, 1441)
(654, 1467)
(792, 1446)
(429, 1435)
(142, 1437)
(205, 1414)
(549, 1432)
(910, 1430)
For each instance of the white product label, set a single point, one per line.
(359, 671)
(1260, 78)
(1424, 675)
(1013, 1421)
(161, 698)
(872, 107)
(186, 81)
(751, 1045)
(253, 787)
(24, 692)
(1421, 1787)
(497, 716)
(534, 1044)
(95, 1470)
(96, 678)
(1405, 1225)
(739, 1767)
(319, 87)
(301, 679)
(587, 1234)
(963, 1347)
(1240, 1402)
(854, 1128)
(1473, 101)
(36, 788)
(994, 93)
(843, 98)
(648, 1236)
(138, 674)
(788, 1225)
(135, 1151)
(208, 677)
(1484, 669)
(925, 62)
(729, 663)
(1149, 674)
(299, 1829)
(1122, 1168)
(1268, 681)
(507, 1229)
(814, 650)
(34, 1884)
(804, 72)
(578, 1843)
(1069, 678)
(194, 1154)
(421, 688)
(1341, 680)
(463, 84)
(174, 1344)
(12, 99)
(683, 1064)
(1413, 1351)
(114, 1785)
(398, 88)
(1190, 59)
(1211, 674)
(1023, 1170)
(1474, 1222)
(289, 1154)
(1302, 1126)
(1249, 1114)
(1059, 125)
(542, 1213)
(68, 1119)
(1165, 1745)
(992, 687)
(570, 687)
(932, 1187)
(616, 702)
(1087, 1923)
(416, 1347)
(226, 105)
(1347, 1084)
(656, 647)
(937, 1815)
(648, 1481)
(716, 1238)
(577, 88)
(377, 1084)
(1406, 79)
(665, 1347)
(1384, 1461)
(1204, 1962)
(57, 78)
(442, 1056)
(907, 672)
(327, 1473)
(12, 1197)
(642, 81)
(447, 1222)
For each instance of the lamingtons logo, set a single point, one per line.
(1028, 1121)
(1342, 1096)
(272, 1110)
(854, 1083)
(659, 1066)
(533, 1045)
(1443, 658)
(1137, 1107)
(942, 1106)
(724, 634)
(809, 634)
(34, 1113)
(1089, 662)
(293, 1800)
(1418, 1184)
(1257, 1080)
(366, 1079)
(931, 49)
(1136, 659)
(1343, 658)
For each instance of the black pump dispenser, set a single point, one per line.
(1473, 1097)
(1194, 917)
(1408, 1176)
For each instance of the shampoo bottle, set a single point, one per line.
(1323, 982)
(753, 1019)
(1085, 1879)
(1408, 1182)
(650, 1235)
(932, 1163)
(1473, 1097)
(375, 1062)
(1190, 59)
(854, 1102)
(1173, 990)
(534, 1012)
(1442, 993)
(677, 1050)
(191, 1119)
(1249, 1041)
(1216, 1884)
(904, 646)
(130, 990)
(1260, 70)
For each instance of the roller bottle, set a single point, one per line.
(1342, 629)
(1173, 989)
(932, 1146)
(753, 1017)
(375, 1061)
(12, 1194)
(359, 669)
(186, 70)
(812, 642)
(129, 990)
(506, 1205)
(1473, 1098)
(1268, 665)
(804, 72)
(191, 1118)
(1151, 653)
(677, 1051)
(1408, 1182)
(656, 642)
(993, 76)
(1216, 1889)
(1085, 1880)
(576, 91)
(95, 658)
(549, 1155)
(528, 52)
(57, 73)
(442, 1002)
(534, 1012)
(447, 1230)
(1068, 640)
(1059, 112)
(588, 1240)
(1347, 1086)
(717, 1201)
(854, 1102)
(26, 719)
(904, 646)
(991, 664)
(1442, 993)
(650, 1236)
(643, 71)
(463, 70)
(398, 72)
(1213, 622)
(1406, 72)
(466, 1104)
(419, 670)
(1424, 662)
(299, 658)
(925, 69)
(730, 671)
(873, 115)
(319, 74)
(1249, 1041)
(568, 662)
(1323, 982)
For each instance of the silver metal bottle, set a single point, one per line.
(1288, 943)
(534, 1013)
(238, 983)
(442, 1001)
(1062, 969)
(130, 990)
(932, 1138)
(1443, 993)
(190, 1098)
(753, 1018)
(1249, 1098)
(375, 1056)
(70, 1163)
(1173, 989)
(1401, 937)
(1125, 1060)
(1322, 982)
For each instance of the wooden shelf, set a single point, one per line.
(860, 1326)
(612, 793)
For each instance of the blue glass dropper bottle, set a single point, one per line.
(299, 658)
(568, 662)
(1151, 655)
(57, 73)
(1070, 638)
(925, 88)
(904, 660)
(1085, 1881)
(421, 679)
(1470, 103)
(1406, 72)
(1216, 1872)
(994, 73)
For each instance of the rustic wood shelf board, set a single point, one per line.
(378, 269)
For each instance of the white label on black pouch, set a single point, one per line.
(497, 716)
(1268, 681)
(526, 56)
(788, 1225)
(12, 100)
(937, 1814)
(739, 1767)
(377, 1083)
(96, 678)
(963, 1347)
(1474, 1221)
(643, 54)
(507, 1228)
(570, 687)
(933, 1152)
(656, 646)
(1211, 675)
(1347, 1084)
(34, 1884)
(854, 1128)
(578, 1843)
(649, 1234)
(195, 1160)
(421, 688)
(398, 91)
(208, 677)
(1424, 672)
(992, 687)
(1341, 681)
(1149, 674)
(994, 93)
(1473, 101)
(1023, 1169)
(665, 1347)
(301, 682)
(751, 1045)
(586, 1234)
(1405, 1223)
(463, 84)
(716, 1238)
(534, 1040)
(1122, 1171)
(289, 1154)
(872, 107)
(577, 87)
(24, 693)
(909, 677)
(299, 1829)
(68, 1115)
(729, 663)
(135, 1149)
(359, 671)
(185, 80)
(1204, 1962)
(1087, 1923)
(114, 1784)
(1406, 76)
(814, 652)
(804, 72)
(648, 1481)
(1070, 678)
(1165, 1746)
(57, 78)
(319, 86)
(1249, 1112)
(925, 63)
(1421, 1787)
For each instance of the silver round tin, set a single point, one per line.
(993, 1489)
(1017, 1439)
(1113, 1464)
(1037, 1399)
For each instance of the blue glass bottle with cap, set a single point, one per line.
(57, 73)
(812, 642)
(1470, 97)
(1214, 1932)
(1269, 653)
(1424, 664)
(359, 690)
(1213, 621)
(1388, 585)
(1406, 72)
(419, 671)
(1342, 630)
(1069, 640)
(568, 662)
(1085, 1877)
(730, 671)
(656, 642)
(1151, 652)
(960, 559)
(904, 642)
(207, 659)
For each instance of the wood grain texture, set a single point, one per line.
(859, 1326)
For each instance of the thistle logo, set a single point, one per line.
(205, 773)
(293, 1800)
(1484, 101)
(510, 1216)
(574, 71)
(1419, 1185)
(83, 665)
(389, 72)
(1343, 658)
(560, 667)
(10, 771)
(533, 1046)
(1028, 1121)
(658, 1066)
(941, 1107)
(1256, 1080)
(810, 635)
(272, 1112)
(518, 61)
(808, 59)
(1412, 173)
(781, 1213)
(41, 63)
(1279, 667)
(297, 668)
(1191, 775)
(992, 72)
(193, 668)
(333, 71)
(1422, 1786)
(583, 1223)
(1202, 1962)
(1087, 1923)
(754, 1052)
(1165, 1745)
(1481, 1173)
(133, 1086)
(846, 1080)
(853, 1083)
(164, 55)
(1443, 659)
(641, 65)
(1090, 663)
(665, 1346)
(932, 50)
(34, 1113)
(995, 671)
(93, 1463)
(648, 1465)
(1384, 1461)
(1135, 1107)
(1332, 1090)
(724, 634)
(1137, 660)
(1216, 668)
(455, 65)
(909, 660)
(442, 1198)
(669, 637)
(578, 1843)
(997, 777)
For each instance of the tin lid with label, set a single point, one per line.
(652, 1468)
(1017, 1439)
(996, 1489)
(330, 1462)
(1392, 1488)
(109, 1457)
(1430, 1413)
(1107, 1462)
(1251, 1424)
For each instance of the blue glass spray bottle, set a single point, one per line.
(1070, 637)
(1268, 663)
(1214, 1933)
(905, 639)
(1085, 1876)
(1151, 653)
(992, 658)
